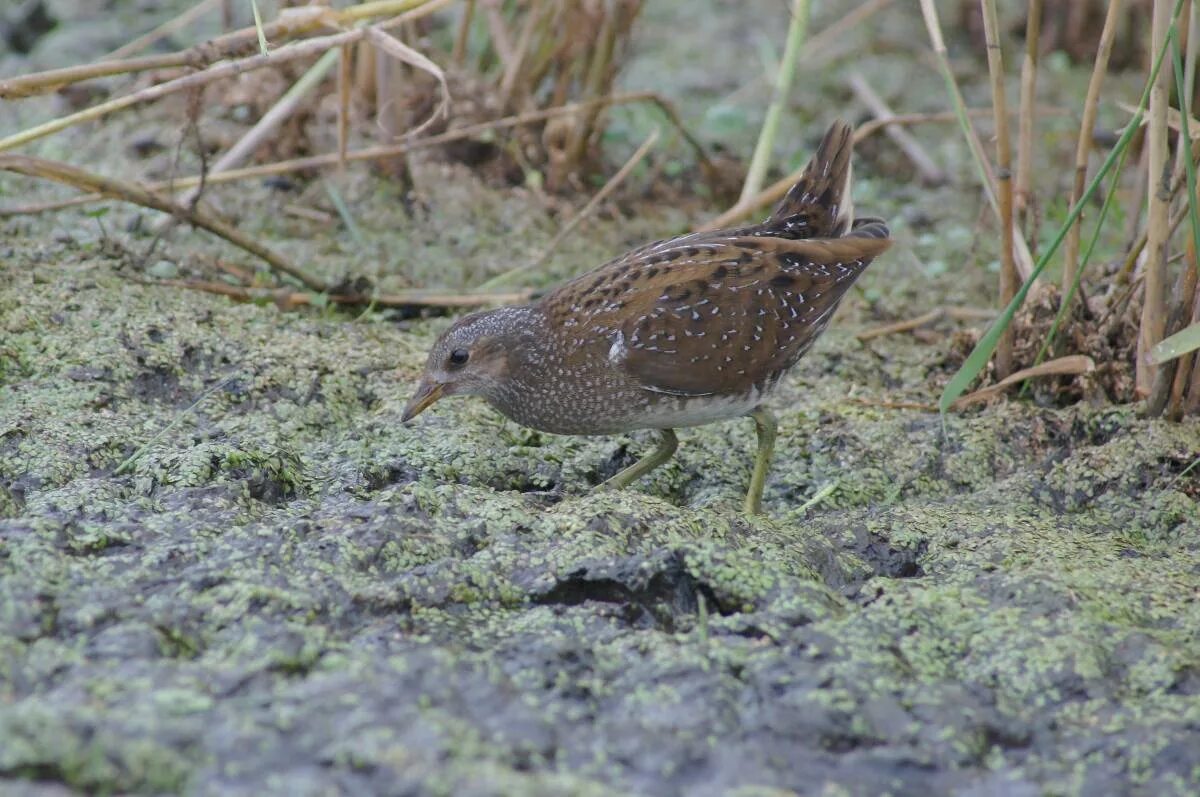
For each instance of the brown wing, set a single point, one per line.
(714, 313)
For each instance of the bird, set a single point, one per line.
(680, 332)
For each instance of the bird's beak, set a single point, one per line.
(427, 393)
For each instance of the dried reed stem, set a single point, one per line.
(344, 88)
(512, 70)
(227, 69)
(931, 173)
(583, 213)
(464, 31)
(1023, 191)
(1154, 309)
(1191, 400)
(271, 120)
(1070, 365)
(1169, 383)
(1084, 144)
(596, 83)
(1188, 140)
(1182, 313)
(293, 22)
(1139, 245)
(53, 79)
(933, 24)
(1008, 270)
(140, 195)
(196, 80)
(936, 314)
(389, 151)
(500, 35)
(287, 299)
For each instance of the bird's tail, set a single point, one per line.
(819, 204)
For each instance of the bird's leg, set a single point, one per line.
(661, 453)
(766, 426)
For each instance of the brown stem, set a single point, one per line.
(931, 173)
(464, 30)
(1191, 399)
(1153, 321)
(1009, 280)
(375, 153)
(287, 299)
(1084, 144)
(1023, 190)
(139, 195)
(1186, 303)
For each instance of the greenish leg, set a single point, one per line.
(662, 452)
(767, 427)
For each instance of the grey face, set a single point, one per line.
(470, 358)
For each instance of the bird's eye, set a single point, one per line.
(459, 357)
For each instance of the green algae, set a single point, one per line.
(287, 591)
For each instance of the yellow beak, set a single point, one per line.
(427, 393)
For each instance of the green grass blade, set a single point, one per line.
(174, 422)
(343, 210)
(797, 32)
(258, 26)
(978, 359)
(1178, 344)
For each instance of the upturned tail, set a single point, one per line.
(819, 204)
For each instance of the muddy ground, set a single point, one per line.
(226, 568)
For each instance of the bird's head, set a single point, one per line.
(471, 358)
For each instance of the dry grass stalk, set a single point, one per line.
(1084, 145)
(292, 22)
(584, 212)
(459, 53)
(512, 70)
(930, 172)
(373, 153)
(271, 120)
(139, 195)
(501, 39)
(1188, 369)
(933, 24)
(227, 69)
(1176, 316)
(936, 314)
(1154, 311)
(287, 299)
(1008, 270)
(1023, 190)
(1139, 245)
(1191, 401)
(1182, 313)
(388, 116)
(907, 325)
(345, 89)
(386, 43)
(1063, 366)
(548, 54)
(1172, 375)
(889, 404)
